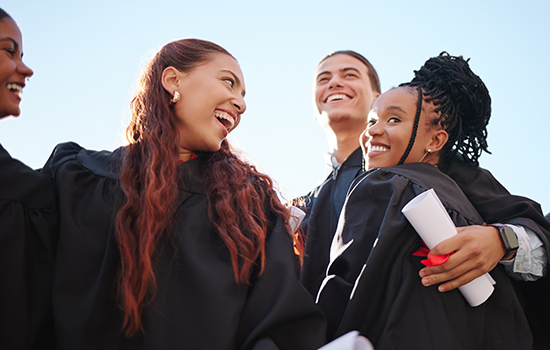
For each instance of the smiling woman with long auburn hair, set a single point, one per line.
(174, 241)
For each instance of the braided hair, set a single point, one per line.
(462, 101)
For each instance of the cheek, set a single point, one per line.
(319, 91)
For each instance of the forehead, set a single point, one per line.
(220, 61)
(9, 29)
(338, 62)
(402, 97)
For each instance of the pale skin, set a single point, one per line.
(343, 119)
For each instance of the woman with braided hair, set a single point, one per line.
(372, 282)
(174, 241)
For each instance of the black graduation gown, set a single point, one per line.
(198, 305)
(372, 254)
(496, 205)
(27, 246)
(323, 206)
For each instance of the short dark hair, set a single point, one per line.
(373, 75)
(4, 14)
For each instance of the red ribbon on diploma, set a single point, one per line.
(433, 259)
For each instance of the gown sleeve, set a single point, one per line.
(28, 236)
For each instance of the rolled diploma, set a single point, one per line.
(433, 224)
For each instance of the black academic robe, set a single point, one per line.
(373, 284)
(496, 205)
(323, 206)
(197, 305)
(27, 247)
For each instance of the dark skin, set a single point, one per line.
(478, 249)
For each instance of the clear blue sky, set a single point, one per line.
(87, 58)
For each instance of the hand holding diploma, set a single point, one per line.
(478, 250)
(430, 219)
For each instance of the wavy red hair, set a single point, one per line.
(237, 193)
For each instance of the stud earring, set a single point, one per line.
(176, 98)
(425, 154)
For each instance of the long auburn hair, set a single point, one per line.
(237, 193)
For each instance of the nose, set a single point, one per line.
(364, 137)
(334, 82)
(374, 130)
(24, 70)
(239, 104)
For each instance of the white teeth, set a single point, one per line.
(15, 88)
(378, 149)
(337, 97)
(227, 117)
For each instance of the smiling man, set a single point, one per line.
(346, 85)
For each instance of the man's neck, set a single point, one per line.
(343, 144)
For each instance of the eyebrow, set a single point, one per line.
(396, 108)
(234, 77)
(343, 70)
(15, 44)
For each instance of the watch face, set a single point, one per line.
(509, 238)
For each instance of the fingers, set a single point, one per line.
(451, 279)
(477, 251)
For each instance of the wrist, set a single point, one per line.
(508, 239)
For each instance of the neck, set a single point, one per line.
(342, 144)
(184, 155)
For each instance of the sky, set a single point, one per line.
(87, 58)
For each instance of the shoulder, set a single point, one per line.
(398, 185)
(422, 175)
(472, 178)
(70, 156)
(23, 184)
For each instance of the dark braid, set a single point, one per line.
(415, 127)
(463, 101)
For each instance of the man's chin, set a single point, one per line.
(339, 117)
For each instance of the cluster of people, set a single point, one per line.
(176, 241)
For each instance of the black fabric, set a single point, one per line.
(323, 206)
(497, 205)
(27, 247)
(198, 305)
(372, 255)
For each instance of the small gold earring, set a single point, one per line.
(425, 154)
(176, 98)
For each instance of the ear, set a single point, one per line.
(438, 140)
(171, 78)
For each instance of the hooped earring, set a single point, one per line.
(425, 154)
(176, 98)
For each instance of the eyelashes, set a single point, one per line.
(230, 81)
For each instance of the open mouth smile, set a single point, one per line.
(225, 118)
(15, 88)
(337, 97)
